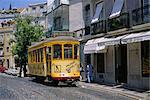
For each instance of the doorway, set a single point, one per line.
(121, 64)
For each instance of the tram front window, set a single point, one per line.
(67, 51)
(57, 51)
(76, 53)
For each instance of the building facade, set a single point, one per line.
(116, 41)
(37, 11)
(62, 17)
(7, 25)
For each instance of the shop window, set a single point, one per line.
(100, 63)
(67, 51)
(57, 51)
(145, 57)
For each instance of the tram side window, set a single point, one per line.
(68, 51)
(57, 51)
(76, 52)
(34, 57)
(38, 51)
(41, 52)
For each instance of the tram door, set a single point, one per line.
(48, 59)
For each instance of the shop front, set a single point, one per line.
(122, 59)
(138, 59)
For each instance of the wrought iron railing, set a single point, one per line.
(99, 27)
(119, 22)
(141, 15)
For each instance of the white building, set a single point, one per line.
(62, 16)
(117, 41)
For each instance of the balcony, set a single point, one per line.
(119, 22)
(99, 27)
(141, 15)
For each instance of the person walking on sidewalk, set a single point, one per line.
(89, 73)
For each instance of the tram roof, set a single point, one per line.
(58, 38)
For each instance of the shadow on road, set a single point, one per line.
(52, 84)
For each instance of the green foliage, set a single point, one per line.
(26, 32)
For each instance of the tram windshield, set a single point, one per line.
(76, 52)
(67, 51)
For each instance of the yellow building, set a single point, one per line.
(7, 27)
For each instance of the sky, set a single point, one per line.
(17, 3)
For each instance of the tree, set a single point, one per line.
(26, 33)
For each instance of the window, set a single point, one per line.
(87, 14)
(1, 51)
(117, 8)
(1, 38)
(57, 23)
(76, 51)
(145, 57)
(87, 30)
(33, 10)
(41, 7)
(34, 56)
(41, 52)
(68, 51)
(56, 3)
(7, 63)
(7, 49)
(146, 2)
(100, 63)
(57, 51)
(38, 51)
(97, 12)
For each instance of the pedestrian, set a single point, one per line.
(89, 73)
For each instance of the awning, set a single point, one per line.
(117, 8)
(92, 46)
(97, 12)
(99, 45)
(111, 41)
(137, 37)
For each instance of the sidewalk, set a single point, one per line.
(117, 89)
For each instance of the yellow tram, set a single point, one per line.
(56, 59)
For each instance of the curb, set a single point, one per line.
(136, 97)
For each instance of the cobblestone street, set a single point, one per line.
(14, 88)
